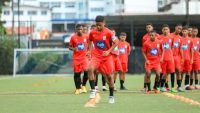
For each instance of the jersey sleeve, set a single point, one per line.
(144, 47)
(71, 42)
(90, 36)
(129, 48)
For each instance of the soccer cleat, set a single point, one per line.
(92, 94)
(163, 89)
(167, 88)
(84, 90)
(77, 92)
(196, 87)
(96, 87)
(191, 87)
(115, 89)
(156, 91)
(173, 90)
(123, 88)
(180, 89)
(148, 92)
(104, 88)
(111, 100)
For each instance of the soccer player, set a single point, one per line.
(186, 56)
(167, 60)
(101, 57)
(79, 45)
(149, 28)
(124, 52)
(196, 54)
(116, 63)
(176, 53)
(151, 50)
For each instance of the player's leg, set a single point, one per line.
(77, 81)
(122, 76)
(104, 88)
(148, 82)
(171, 69)
(85, 79)
(96, 74)
(164, 76)
(93, 65)
(196, 79)
(156, 88)
(187, 77)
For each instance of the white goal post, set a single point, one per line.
(42, 61)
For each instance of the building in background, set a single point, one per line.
(179, 7)
(140, 6)
(32, 19)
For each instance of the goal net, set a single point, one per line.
(29, 62)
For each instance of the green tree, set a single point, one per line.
(2, 29)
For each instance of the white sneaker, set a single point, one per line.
(96, 87)
(92, 94)
(104, 88)
(111, 100)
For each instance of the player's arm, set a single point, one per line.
(129, 49)
(162, 53)
(181, 51)
(192, 54)
(89, 44)
(144, 49)
(114, 44)
(71, 43)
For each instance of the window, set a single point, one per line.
(20, 12)
(6, 12)
(32, 12)
(70, 15)
(55, 4)
(56, 15)
(44, 4)
(69, 4)
(43, 12)
(81, 6)
(97, 9)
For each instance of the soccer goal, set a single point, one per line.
(43, 62)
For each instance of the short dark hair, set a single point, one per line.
(185, 28)
(99, 18)
(178, 25)
(122, 34)
(195, 28)
(165, 25)
(93, 25)
(149, 24)
(78, 25)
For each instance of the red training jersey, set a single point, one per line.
(102, 42)
(176, 40)
(81, 43)
(186, 46)
(196, 48)
(166, 44)
(124, 50)
(152, 50)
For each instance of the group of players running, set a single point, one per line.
(100, 51)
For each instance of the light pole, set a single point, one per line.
(13, 18)
(18, 10)
(187, 12)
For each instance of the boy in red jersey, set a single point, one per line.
(116, 61)
(151, 52)
(176, 53)
(101, 57)
(124, 51)
(79, 45)
(196, 54)
(186, 56)
(167, 60)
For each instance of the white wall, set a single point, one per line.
(141, 6)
